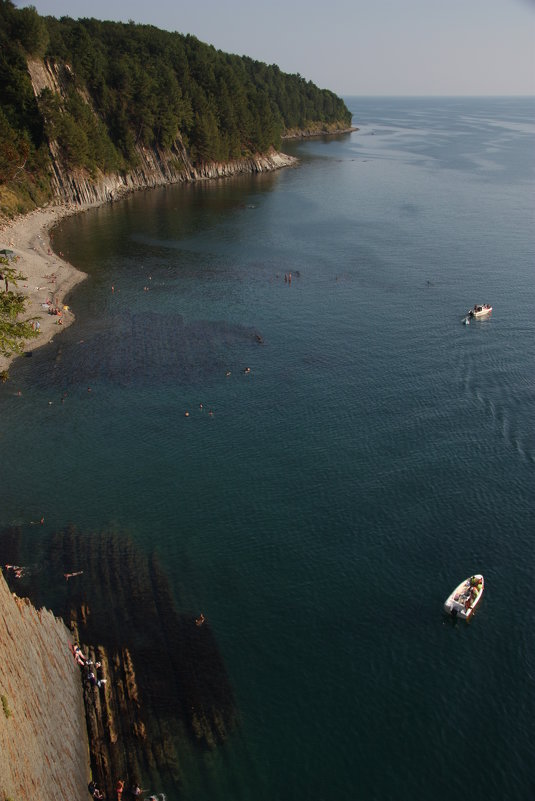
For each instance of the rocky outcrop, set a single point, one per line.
(43, 743)
(320, 130)
(155, 166)
(156, 692)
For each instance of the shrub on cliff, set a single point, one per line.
(5, 706)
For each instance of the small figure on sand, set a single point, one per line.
(200, 620)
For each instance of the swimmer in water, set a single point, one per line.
(71, 575)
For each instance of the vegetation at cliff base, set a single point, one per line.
(125, 86)
(13, 332)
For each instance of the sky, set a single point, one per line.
(354, 47)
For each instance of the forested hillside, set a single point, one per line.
(135, 85)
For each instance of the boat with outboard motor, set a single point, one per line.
(464, 598)
(480, 310)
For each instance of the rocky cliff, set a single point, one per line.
(43, 741)
(156, 166)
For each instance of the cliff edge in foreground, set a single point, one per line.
(43, 737)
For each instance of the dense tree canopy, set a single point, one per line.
(144, 86)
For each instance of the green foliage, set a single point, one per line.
(13, 331)
(14, 150)
(31, 31)
(133, 85)
(5, 706)
(24, 159)
(149, 86)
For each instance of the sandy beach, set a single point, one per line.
(48, 277)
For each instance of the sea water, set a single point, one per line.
(319, 508)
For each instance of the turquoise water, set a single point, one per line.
(377, 452)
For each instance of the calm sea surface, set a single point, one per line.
(378, 451)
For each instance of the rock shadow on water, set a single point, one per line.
(166, 690)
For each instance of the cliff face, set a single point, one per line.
(156, 166)
(43, 739)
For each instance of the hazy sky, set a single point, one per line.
(368, 47)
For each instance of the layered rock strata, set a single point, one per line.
(43, 742)
(155, 166)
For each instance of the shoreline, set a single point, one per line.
(47, 275)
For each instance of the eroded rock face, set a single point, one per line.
(156, 167)
(43, 740)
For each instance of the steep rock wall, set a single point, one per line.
(156, 167)
(43, 737)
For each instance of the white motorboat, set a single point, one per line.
(480, 310)
(464, 598)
